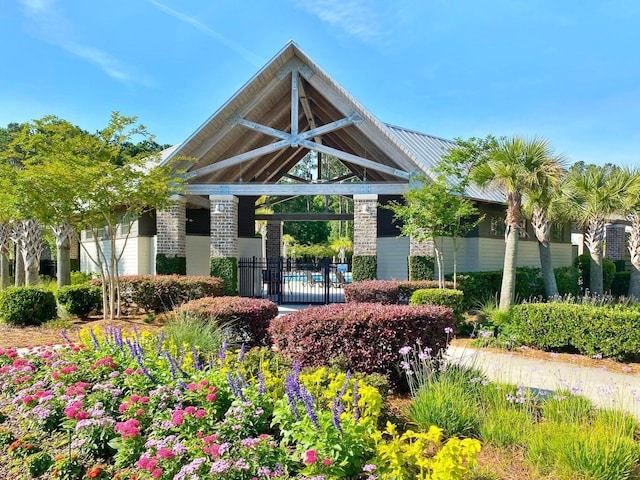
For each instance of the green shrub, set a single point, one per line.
(567, 279)
(170, 265)
(80, 300)
(367, 336)
(227, 269)
(505, 426)
(446, 297)
(246, 319)
(421, 267)
(609, 330)
(24, 306)
(78, 278)
(364, 267)
(583, 263)
(620, 284)
(565, 407)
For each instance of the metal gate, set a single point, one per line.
(287, 281)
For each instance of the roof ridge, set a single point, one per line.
(419, 133)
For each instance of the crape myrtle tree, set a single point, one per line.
(596, 193)
(7, 205)
(435, 210)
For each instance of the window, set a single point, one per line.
(126, 223)
(497, 226)
(558, 232)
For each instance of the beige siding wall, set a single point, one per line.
(128, 264)
(392, 258)
(198, 255)
(146, 255)
(249, 247)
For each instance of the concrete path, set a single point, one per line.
(605, 389)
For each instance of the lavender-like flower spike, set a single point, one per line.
(337, 408)
(262, 388)
(94, 339)
(64, 335)
(356, 399)
(309, 405)
(223, 352)
(145, 370)
(196, 358)
(345, 385)
(243, 350)
(292, 391)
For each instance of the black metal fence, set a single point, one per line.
(287, 281)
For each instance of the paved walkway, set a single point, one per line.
(604, 388)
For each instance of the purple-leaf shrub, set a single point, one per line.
(249, 318)
(365, 336)
(389, 292)
(161, 293)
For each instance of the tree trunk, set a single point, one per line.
(546, 266)
(594, 239)
(18, 269)
(634, 250)
(4, 271)
(542, 228)
(31, 250)
(508, 289)
(63, 233)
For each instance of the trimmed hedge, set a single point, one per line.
(364, 267)
(389, 292)
(610, 331)
(161, 293)
(80, 300)
(421, 267)
(170, 265)
(227, 269)
(620, 284)
(567, 281)
(364, 337)
(27, 306)
(445, 297)
(247, 318)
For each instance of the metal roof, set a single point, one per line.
(428, 150)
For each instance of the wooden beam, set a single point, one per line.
(305, 217)
(243, 189)
(296, 178)
(355, 159)
(261, 128)
(243, 157)
(294, 103)
(308, 112)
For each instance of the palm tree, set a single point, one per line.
(598, 192)
(632, 210)
(516, 166)
(544, 208)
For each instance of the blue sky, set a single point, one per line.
(566, 70)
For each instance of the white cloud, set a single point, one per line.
(357, 18)
(48, 23)
(246, 54)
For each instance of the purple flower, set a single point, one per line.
(448, 330)
(405, 350)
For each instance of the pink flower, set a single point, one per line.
(157, 473)
(70, 412)
(165, 453)
(211, 397)
(192, 386)
(327, 462)
(139, 412)
(135, 398)
(144, 400)
(190, 410)
(201, 413)
(177, 418)
(82, 415)
(128, 371)
(310, 457)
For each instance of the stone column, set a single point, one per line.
(616, 244)
(224, 226)
(421, 259)
(365, 224)
(171, 224)
(418, 248)
(274, 239)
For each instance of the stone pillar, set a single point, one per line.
(616, 244)
(224, 226)
(171, 224)
(365, 224)
(274, 239)
(418, 248)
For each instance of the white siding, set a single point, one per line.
(146, 255)
(128, 264)
(198, 255)
(491, 254)
(392, 258)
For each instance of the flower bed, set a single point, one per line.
(127, 408)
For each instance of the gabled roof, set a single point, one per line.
(292, 106)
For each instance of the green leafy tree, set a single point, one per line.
(632, 210)
(597, 193)
(433, 211)
(516, 166)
